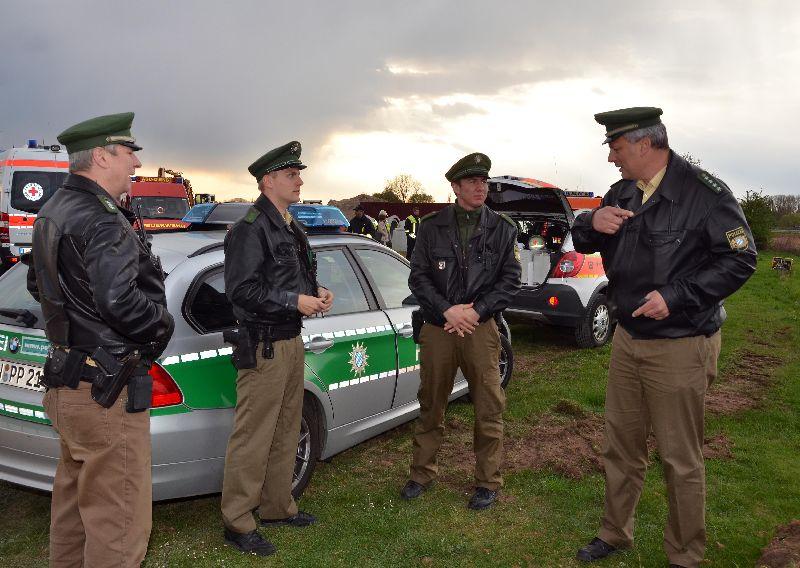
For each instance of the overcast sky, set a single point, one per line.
(377, 88)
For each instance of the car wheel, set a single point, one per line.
(506, 361)
(595, 329)
(309, 446)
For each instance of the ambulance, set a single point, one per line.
(28, 178)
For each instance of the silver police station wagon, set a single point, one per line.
(361, 367)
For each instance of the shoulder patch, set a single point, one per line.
(252, 214)
(714, 184)
(108, 203)
(510, 221)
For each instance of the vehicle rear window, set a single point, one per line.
(209, 307)
(15, 294)
(159, 207)
(31, 189)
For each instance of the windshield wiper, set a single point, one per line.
(23, 316)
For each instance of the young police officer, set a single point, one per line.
(270, 278)
(464, 271)
(675, 244)
(102, 297)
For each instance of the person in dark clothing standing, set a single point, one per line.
(360, 224)
(674, 244)
(271, 281)
(102, 296)
(464, 271)
(410, 226)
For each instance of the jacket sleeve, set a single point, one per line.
(584, 238)
(245, 282)
(33, 288)
(728, 267)
(507, 281)
(112, 265)
(419, 280)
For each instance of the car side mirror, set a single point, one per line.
(410, 300)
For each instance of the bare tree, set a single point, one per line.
(403, 186)
(785, 204)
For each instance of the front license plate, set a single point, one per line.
(21, 375)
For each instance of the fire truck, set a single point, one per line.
(162, 200)
(28, 177)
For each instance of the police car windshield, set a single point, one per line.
(161, 207)
(30, 190)
(15, 297)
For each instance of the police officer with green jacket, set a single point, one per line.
(464, 271)
(271, 281)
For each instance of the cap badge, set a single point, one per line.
(477, 159)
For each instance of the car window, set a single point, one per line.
(15, 294)
(210, 308)
(389, 273)
(337, 275)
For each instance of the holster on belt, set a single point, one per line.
(244, 346)
(417, 321)
(63, 368)
(113, 375)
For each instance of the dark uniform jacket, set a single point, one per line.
(689, 241)
(268, 264)
(443, 273)
(95, 280)
(362, 226)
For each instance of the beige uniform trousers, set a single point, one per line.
(658, 384)
(101, 511)
(259, 463)
(441, 355)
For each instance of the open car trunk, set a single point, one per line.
(544, 218)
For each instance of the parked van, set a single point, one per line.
(28, 178)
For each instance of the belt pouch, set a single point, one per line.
(53, 374)
(417, 321)
(140, 392)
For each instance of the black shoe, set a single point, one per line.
(595, 550)
(482, 498)
(412, 490)
(252, 543)
(301, 519)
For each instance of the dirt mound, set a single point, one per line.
(784, 550)
(745, 387)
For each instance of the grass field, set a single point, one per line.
(553, 495)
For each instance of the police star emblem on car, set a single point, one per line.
(358, 359)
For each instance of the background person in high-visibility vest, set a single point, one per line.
(412, 221)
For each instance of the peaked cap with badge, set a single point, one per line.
(286, 156)
(618, 122)
(100, 131)
(475, 164)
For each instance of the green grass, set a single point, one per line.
(543, 517)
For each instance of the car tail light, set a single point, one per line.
(165, 389)
(569, 265)
(4, 235)
(553, 301)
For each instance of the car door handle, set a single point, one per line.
(318, 344)
(406, 330)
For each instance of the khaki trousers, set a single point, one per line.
(101, 510)
(259, 463)
(441, 355)
(658, 384)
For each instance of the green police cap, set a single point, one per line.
(476, 164)
(100, 131)
(618, 122)
(286, 156)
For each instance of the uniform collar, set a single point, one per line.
(268, 208)
(77, 181)
(671, 186)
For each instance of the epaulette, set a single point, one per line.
(108, 203)
(252, 214)
(716, 185)
(509, 220)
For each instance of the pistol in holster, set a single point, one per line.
(417, 321)
(244, 346)
(113, 375)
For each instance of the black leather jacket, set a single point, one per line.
(268, 264)
(95, 280)
(689, 241)
(442, 274)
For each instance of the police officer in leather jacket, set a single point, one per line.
(464, 270)
(99, 288)
(270, 279)
(675, 244)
